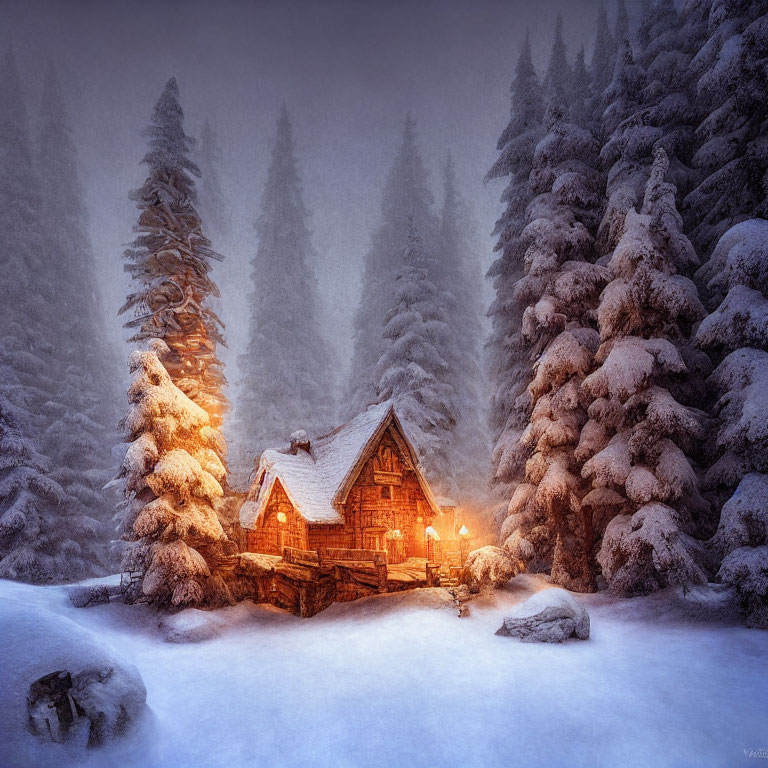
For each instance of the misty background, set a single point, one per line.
(348, 73)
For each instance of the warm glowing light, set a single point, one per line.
(431, 533)
(463, 531)
(281, 517)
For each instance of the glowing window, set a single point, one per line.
(282, 517)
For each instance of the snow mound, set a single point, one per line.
(63, 690)
(550, 616)
(488, 567)
(83, 596)
(191, 626)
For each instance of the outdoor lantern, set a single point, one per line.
(431, 535)
(463, 543)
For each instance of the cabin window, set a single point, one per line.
(386, 492)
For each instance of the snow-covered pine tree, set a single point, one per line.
(603, 54)
(625, 141)
(31, 547)
(412, 370)
(547, 526)
(25, 287)
(170, 261)
(732, 136)
(667, 104)
(81, 415)
(509, 371)
(652, 103)
(405, 198)
(558, 77)
(173, 473)
(639, 437)
(44, 536)
(621, 30)
(736, 336)
(458, 275)
(580, 91)
(287, 370)
(213, 207)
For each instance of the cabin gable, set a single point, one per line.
(386, 506)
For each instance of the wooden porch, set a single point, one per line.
(307, 581)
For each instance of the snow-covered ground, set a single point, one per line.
(399, 680)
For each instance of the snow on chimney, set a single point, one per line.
(299, 441)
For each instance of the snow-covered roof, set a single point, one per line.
(317, 482)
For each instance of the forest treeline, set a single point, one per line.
(629, 338)
(626, 364)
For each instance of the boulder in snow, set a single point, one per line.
(488, 567)
(61, 685)
(549, 616)
(92, 706)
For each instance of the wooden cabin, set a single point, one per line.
(357, 488)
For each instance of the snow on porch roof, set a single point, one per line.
(317, 482)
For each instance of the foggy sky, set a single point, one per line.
(348, 72)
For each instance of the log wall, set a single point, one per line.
(271, 535)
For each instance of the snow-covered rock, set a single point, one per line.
(549, 616)
(62, 687)
(488, 567)
(191, 626)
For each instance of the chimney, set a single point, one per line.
(299, 441)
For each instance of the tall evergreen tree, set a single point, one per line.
(509, 370)
(732, 135)
(213, 207)
(558, 78)
(667, 106)
(287, 367)
(173, 467)
(44, 534)
(170, 262)
(603, 55)
(625, 177)
(458, 276)
(412, 370)
(580, 89)
(81, 414)
(621, 32)
(736, 336)
(547, 527)
(640, 439)
(406, 198)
